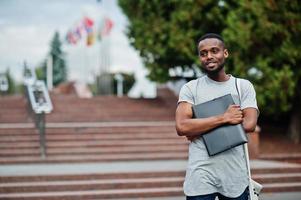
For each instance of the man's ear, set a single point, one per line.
(226, 53)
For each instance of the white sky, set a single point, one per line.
(27, 27)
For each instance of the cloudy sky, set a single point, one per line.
(27, 27)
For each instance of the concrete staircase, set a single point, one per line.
(89, 135)
(100, 129)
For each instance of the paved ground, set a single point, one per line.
(115, 167)
(88, 168)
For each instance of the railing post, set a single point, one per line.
(41, 126)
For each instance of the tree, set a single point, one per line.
(262, 36)
(265, 35)
(11, 82)
(58, 63)
(165, 32)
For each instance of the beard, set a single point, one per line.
(215, 71)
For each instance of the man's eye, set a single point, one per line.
(214, 51)
(202, 53)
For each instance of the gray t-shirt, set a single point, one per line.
(226, 172)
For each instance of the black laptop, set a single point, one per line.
(223, 137)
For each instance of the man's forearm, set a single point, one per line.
(193, 127)
(249, 120)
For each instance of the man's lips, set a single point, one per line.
(210, 64)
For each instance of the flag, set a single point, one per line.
(90, 38)
(71, 38)
(88, 23)
(85, 28)
(105, 27)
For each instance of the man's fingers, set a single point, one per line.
(234, 106)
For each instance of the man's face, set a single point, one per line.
(212, 55)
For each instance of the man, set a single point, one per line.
(224, 175)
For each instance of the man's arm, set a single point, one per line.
(187, 126)
(249, 119)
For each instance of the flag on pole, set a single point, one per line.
(85, 28)
(88, 23)
(105, 27)
(71, 38)
(90, 38)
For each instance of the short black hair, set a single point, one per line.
(211, 35)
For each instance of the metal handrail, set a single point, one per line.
(40, 104)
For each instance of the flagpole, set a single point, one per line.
(49, 72)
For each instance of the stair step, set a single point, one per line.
(87, 137)
(16, 131)
(95, 150)
(134, 142)
(95, 158)
(19, 138)
(281, 187)
(280, 156)
(77, 185)
(90, 130)
(292, 157)
(277, 178)
(105, 194)
(91, 176)
(295, 169)
(71, 137)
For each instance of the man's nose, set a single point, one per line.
(209, 55)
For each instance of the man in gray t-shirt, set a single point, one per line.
(224, 175)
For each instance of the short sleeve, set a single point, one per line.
(186, 95)
(248, 95)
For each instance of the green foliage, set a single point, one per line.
(261, 35)
(265, 35)
(58, 63)
(165, 32)
(128, 82)
(11, 83)
(41, 71)
(13, 86)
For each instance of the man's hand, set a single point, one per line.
(233, 115)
